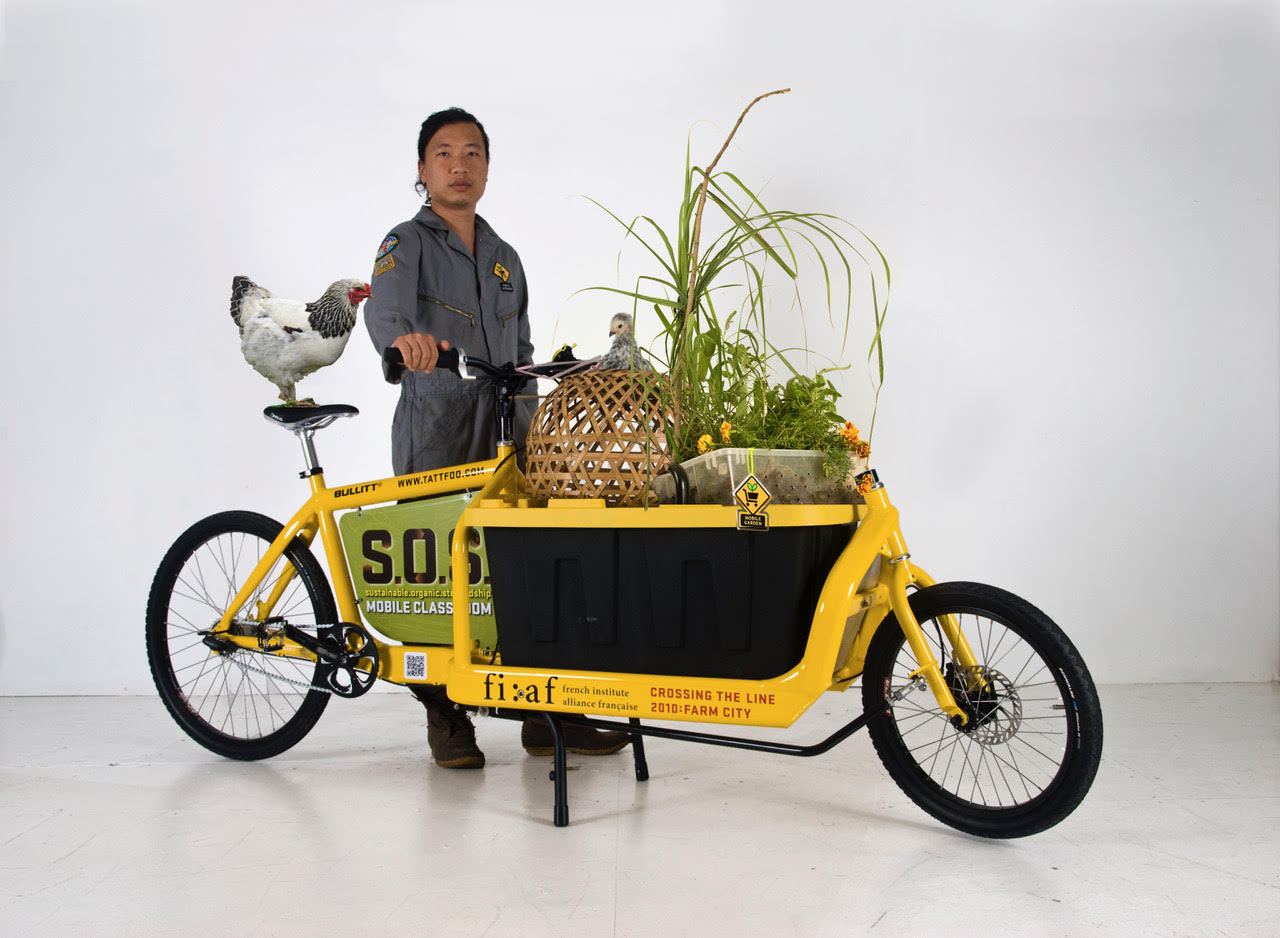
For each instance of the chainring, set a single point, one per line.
(347, 659)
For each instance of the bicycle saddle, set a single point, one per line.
(308, 418)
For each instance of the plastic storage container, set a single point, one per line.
(792, 476)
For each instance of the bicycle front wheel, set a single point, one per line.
(239, 704)
(1031, 747)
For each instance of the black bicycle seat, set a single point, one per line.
(308, 416)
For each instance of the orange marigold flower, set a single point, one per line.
(849, 433)
(861, 448)
(864, 484)
(704, 443)
(725, 429)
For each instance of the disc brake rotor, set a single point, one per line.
(992, 702)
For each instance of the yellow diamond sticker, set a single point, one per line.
(752, 499)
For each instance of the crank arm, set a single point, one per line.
(278, 642)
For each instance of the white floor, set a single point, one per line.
(113, 823)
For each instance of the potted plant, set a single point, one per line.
(728, 385)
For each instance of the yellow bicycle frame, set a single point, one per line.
(501, 502)
(318, 516)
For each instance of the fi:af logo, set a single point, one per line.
(515, 692)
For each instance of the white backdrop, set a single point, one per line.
(1079, 202)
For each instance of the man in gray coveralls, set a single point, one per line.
(446, 273)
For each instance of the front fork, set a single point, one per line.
(902, 574)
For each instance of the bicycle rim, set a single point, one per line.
(243, 704)
(1032, 746)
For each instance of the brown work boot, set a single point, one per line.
(537, 740)
(450, 734)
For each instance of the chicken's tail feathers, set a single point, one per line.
(242, 288)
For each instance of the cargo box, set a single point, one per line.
(700, 602)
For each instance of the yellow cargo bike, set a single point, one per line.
(979, 706)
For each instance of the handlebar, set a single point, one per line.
(508, 380)
(469, 367)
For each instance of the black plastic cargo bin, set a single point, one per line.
(699, 602)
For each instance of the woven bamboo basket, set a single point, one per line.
(601, 434)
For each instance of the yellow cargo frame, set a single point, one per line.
(476, 680)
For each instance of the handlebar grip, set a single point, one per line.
(448, 359)
(393, 363)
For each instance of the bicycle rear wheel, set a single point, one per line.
(239, 704)
(1031, 747)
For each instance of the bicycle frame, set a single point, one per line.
(844, 604)
(318, 516)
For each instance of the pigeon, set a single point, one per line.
(286, 340)
(623, 353)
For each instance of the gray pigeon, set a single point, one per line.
(623, 353)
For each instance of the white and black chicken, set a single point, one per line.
(623, 353)
(286, 340)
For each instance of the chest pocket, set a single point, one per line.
(449, 307)
(507, 317)
(429, 291)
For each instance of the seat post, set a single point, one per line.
(303, 422)
(306, 436)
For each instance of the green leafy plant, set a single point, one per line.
(709, 294)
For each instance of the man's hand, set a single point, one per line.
(420, 350)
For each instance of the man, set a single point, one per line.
(447, 274)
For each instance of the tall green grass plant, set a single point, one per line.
(709, 290)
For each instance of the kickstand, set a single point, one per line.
(637, 749)
(559, 771)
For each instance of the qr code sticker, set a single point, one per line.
(415, 665)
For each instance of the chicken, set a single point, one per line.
(286, 340)
(623, 353)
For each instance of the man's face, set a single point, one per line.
(453, 166)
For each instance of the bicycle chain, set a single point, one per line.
(276, 676)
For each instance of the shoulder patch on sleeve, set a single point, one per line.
(388, 246)
(385, 263)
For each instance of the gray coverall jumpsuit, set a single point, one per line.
(425, 280)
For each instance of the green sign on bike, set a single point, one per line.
(400, 563)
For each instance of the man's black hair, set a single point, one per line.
(453, 115)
